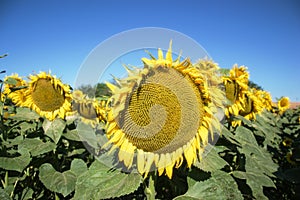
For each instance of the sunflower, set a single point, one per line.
(164, 113)
(48, 96)
(15, 91)
(265, 98)
(252, 107)
(283, 104)
(236, 84)
(90, 111)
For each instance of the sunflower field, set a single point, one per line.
(170, 130)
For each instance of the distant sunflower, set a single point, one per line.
(14, 91)
(236, 84)
(90, 111)
(164, 113)
(283, 104)
(48, 96)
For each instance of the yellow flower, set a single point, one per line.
(265, 98)
(90, 111)
(236, 84)
(252, 106)
(48, 96)
(283, 104)
(164, 113)
(17, 96)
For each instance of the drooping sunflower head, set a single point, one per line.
(90, 111)
(48, 96)
(163, 113)
(265, 98)
(283, 104)
(15, 89)
(252, 105)
(236, 84)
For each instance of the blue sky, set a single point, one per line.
(59, 35)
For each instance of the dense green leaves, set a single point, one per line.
(101, 182)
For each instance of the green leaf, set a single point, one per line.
(212, 161)
(101, 182)
(36, 147)
(87, 133)
(78, 167)
(261, 163)
(244, 136)
(256, 156)
(220, 186)
(55, 181)
(228, 135)
(16, 163)
(54, 129)
(256, 181)
(72, 135)
(4, 195)
(27, 193)
(25, 114)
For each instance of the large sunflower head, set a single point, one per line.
(283, 104)
(15, 90)
(48, 96)
(163, 113)
(236, 84)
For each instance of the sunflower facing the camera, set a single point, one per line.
(48, 96)
(164, 113)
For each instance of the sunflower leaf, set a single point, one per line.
(101, 182)
(256, 156)
(4, 195)
(220, 186)
(36, 147)
(55, 181)
(24, 114)
(78, 167)
(17, 163)
(256, 181)
(212, 161)
(87, 133)
(54, 129)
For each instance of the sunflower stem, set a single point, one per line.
(150, 190)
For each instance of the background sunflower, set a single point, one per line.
(48, 96)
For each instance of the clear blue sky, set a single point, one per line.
(58, 35)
